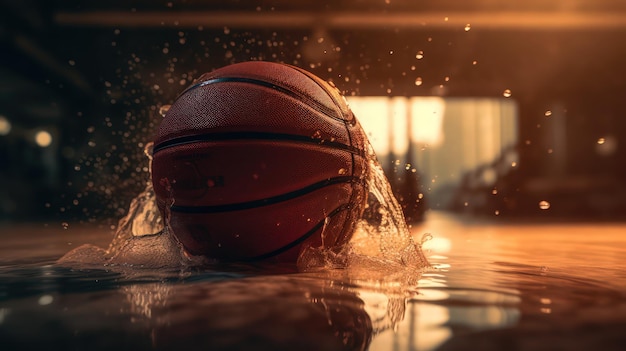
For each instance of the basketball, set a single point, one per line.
(256, 160)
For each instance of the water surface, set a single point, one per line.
(494, 285)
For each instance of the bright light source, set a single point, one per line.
(372, 112)
(5, 126)
(427, 113)
(386, 120)
(397, 115)
(43, 138)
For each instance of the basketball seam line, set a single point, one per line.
(263, 202)
(300, 239)
(320, 83)
(272, 85)
(255, 136)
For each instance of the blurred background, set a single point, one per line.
(497, 109)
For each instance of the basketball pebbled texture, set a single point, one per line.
(257, 159)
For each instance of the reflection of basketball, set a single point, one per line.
(257, 158)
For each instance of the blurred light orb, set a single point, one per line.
(43, 138)
(45, 300)
(5, 126)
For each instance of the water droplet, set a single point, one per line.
(507, 93)
(163, 110)
(474, 62)
(497, 212)
(418, 81)
(65, 225)
(316, 135)
(548, 113)
(342, 171)
(494, 191)
(544, 205)
(426, 237)
(419, 55)
(468, 27)
(601, 141)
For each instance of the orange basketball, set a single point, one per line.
(257, 159)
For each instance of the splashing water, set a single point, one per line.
(141, 238)
(143, 216)
(381, 247)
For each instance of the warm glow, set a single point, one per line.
(5, 126)
(372, 113)
(427, 113)
(450, 136)
(43, 138)
(398, 117)
(386, 121)
(438, 245)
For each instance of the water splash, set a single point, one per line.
(143, 217)
(141, 238)
(381, 248)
